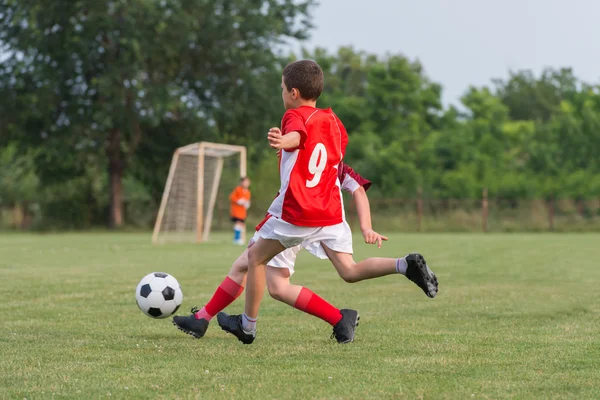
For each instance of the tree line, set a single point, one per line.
(96, 96)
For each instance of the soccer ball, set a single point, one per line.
(158, 295)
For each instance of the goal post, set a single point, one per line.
(201, 175)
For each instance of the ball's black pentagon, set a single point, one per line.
(160, 275)
(176, 308)
(168, 293)
(145, 290)
(155, 312)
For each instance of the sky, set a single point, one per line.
(468, 42)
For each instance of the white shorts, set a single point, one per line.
(293, 238)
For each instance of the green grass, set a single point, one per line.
(518, 316)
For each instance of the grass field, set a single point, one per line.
(518, 316)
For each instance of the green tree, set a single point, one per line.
(97, 77)
(19, 183)
(537, 99)
(389, 108)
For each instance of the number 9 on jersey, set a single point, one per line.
(316, 165)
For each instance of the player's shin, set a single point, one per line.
(259, 254)
(312, 304)
(351, 271)
(226, 293)
(279, 286)
(255, 288)
(376, 267)
(301, 298)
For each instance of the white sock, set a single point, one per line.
(248, 324)
(401, 266)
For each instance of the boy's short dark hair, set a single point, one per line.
(306, 76)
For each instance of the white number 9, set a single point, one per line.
(316, 164)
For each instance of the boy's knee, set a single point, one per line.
(240, 267)
(349, 275)
(344, 264)
(276, 290)
(278, 283)
(252, 257)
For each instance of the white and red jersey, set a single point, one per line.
(350, 182)
(310, 189)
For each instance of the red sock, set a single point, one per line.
(225, 294)
(312, 304)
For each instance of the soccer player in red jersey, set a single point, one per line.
(281, 288)
(308, 210)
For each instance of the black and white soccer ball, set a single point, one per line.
(158, 295)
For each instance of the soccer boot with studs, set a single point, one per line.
(233, 325)
(344, 330)
(418, 272)
(191, 325)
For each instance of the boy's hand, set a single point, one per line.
(275, 138)
(291, 140)
(372, 237)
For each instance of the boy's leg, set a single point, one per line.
(244, 326)
(230, 289)
(259, 255)
(276, 236)
(374, 267)
(278, 272)
(302, 298)
(344, 321)
(413, 266)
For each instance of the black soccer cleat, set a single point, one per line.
(190, 325)
(418, 272)
(233, 325)
(344, 330)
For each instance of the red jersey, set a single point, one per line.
(310, 189)
(350, 179)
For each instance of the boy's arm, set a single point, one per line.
(286, 142)
(363, 209)
(292, 134)
(354, 183)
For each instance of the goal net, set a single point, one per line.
(196, 195)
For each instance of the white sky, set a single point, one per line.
(468, 42)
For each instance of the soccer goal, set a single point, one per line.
(201, 176)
